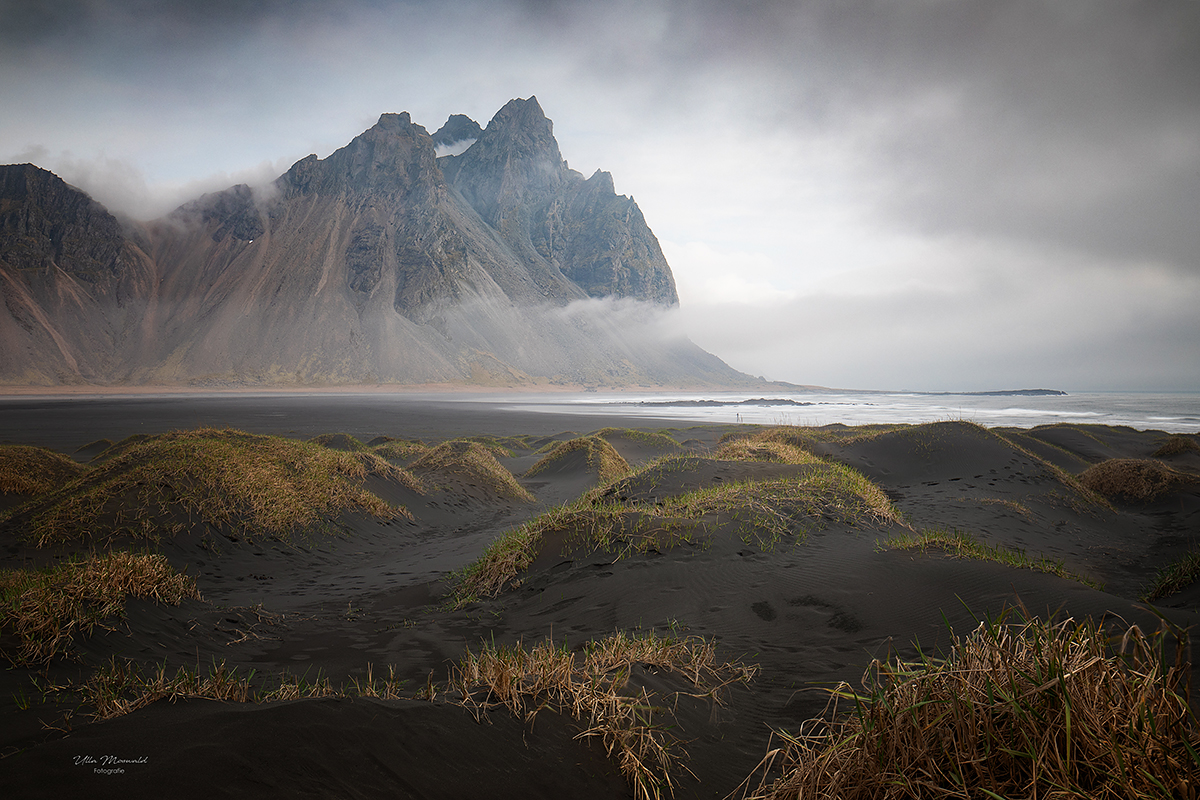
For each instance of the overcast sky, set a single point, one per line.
(923, 194)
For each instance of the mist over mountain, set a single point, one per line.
(491, 264)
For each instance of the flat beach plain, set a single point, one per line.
(803, 592)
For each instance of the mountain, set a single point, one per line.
(492, 264)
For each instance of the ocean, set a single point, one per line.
(1171, 412)
(66, 423)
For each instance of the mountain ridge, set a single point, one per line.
(383, 263)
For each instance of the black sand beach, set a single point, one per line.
(807, 594)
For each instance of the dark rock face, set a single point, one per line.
(379, 263)
(516, 179)
(229, 213)
(600, 241)
(45, 223)
(71, 280)
(458, 128)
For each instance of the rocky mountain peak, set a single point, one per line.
(458, 128)
(391, 157)
(513, 171)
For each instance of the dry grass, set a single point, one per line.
(1175, 577)
(400, 449)
(650, 438)
(121, 687)
(766, 511)
(473, 462)
(1078, 491)
(34, 470)
(254, 485)
(602, 458)
(46, 608)
(808, 437)
(755, 449)
(1024, 709)
(593, 687)
(1177, 444)
(1011, 505)
(339, 441)
(963, 545)
(1134, 480)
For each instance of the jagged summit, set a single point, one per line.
(381, 263)
(381, 159)
(458, 128)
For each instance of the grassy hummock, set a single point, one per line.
(34, 470)
(766, 511)
(1017, 709)
(601, 458)
(772, 445)
(1135, 480)
(257, 485)
(472, 461)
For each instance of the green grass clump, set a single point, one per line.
(1134, 479)
(1022, 709)
(766, 511)
(45, 608)
(964, 545)
(602, 458)
(472, 461)
(34, 470)
(1175, 577)
(253, 485)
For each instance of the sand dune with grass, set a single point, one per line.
(938, 610)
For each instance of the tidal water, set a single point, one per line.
(1171, 412)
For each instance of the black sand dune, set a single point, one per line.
(809, 609)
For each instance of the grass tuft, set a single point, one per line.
(964, 545)
(1175, 577)
(255, 485)
(1177, 444)
(474, 462)
(1020, 709)
(45, 608)
(764, 449)
(121, 687)
(592, 686)
(651, 438)
(1133, 479)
